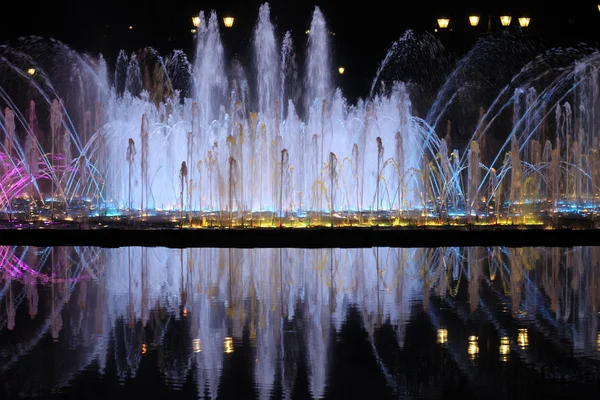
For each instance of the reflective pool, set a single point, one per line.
(479, 323)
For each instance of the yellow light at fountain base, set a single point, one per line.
(442, 336)
(443, 22)
(196, 21)
(341, 70)
(31, 71)
(474, 20)
(228, 22)
(505, 20)
(524, 22)
(228, 345)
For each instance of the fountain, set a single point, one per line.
(227, 145)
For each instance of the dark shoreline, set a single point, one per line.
(304, 238)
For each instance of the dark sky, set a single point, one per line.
(364, 30)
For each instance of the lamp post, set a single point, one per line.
(474, 20)
(228, 21)
(341, 70)
(524, 22)
(505, 20)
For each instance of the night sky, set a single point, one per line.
(364, 30)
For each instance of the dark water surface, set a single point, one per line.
(133, 323)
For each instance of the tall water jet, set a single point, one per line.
(318, 74)
(266, 63)
(130, 157)
(144, 164)
(210, 81)
(473, 181)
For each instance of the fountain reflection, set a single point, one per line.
(286, 317)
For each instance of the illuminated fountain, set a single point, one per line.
(213, 143)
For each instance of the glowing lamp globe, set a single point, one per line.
(474, 20)
(228, 22)
(341, 70)
(443, 22)
(505, 20)
(196, 21)
(524, 22)
(31, 71)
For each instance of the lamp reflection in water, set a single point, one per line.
(442, 336)
(196, 345)
(523, 338)
(144, 348)
(228, 345)
(473, 349)
(598, 336)
(504, 348)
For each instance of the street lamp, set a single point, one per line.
(341, 70)
(228, 22)
(31, 71)
(474, 20)
(196, 21)
(443, 22)
(524, 22)
(505, 20)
